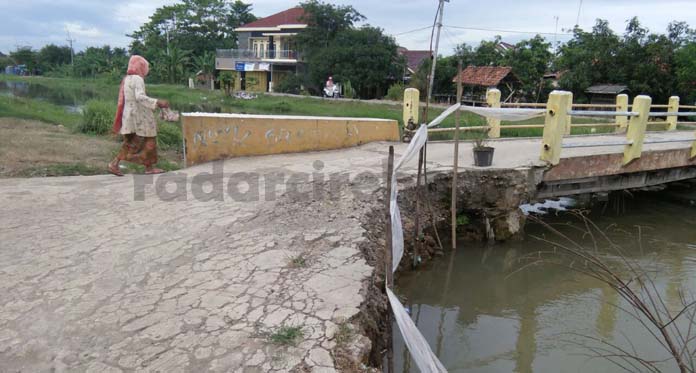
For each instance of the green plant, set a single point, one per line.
(97, 117)
(298, 262)
(226, 79)
(344, 333)
(169, 135)
(396, 92)
(462, 220)
(287, 335)
(291, 84)
(252, 82)
(480, 140)
(348, 90)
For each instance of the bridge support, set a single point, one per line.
(555, 124)
(621, 107)
(493, 101)
(636, 129)
(672, 107)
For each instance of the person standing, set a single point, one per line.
(135, 120)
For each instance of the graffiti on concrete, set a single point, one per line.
(211, 135)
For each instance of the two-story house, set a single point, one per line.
(266, 51)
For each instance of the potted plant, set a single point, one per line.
(483, 154)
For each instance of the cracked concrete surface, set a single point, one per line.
(92, 280)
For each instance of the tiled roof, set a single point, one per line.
(414, 58)
(291, 16)
(613, 89)
(486, 76)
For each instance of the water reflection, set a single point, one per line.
(480, 314)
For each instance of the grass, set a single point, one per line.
(344, 333)
(23, 108)
(298, 262)
(287, 335)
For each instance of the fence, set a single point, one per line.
(631, 119)
(619, 122)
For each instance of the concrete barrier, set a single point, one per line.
(209, 136)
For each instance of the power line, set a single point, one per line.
(507, 31)
(577, 20)
(412, 31)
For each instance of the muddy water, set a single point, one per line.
(482, 310)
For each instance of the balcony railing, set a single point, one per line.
(257, 55)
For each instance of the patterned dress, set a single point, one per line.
(139, 126)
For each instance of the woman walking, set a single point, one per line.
(135, 120)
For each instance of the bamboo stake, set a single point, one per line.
(418, 209)
(455, 170)
(389, 275)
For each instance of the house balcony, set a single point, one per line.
(256, 55)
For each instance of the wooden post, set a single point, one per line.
(636, 128)
(411, 106)
(493, 101)
(455, 168)
(555, 126)
(673, 107)
(621, 120)
(389, 255)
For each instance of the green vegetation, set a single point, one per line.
(97, 118)
(169, 136)
(462, 220)
(332, 46)
(287, 335)
(23, 108)
(344, 333)
(300, 261)
(396, 92)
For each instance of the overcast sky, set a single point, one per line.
(98, 22)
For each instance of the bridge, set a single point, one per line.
(207, 268)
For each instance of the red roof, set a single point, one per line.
(414, 58)
(486, 76)
(291, 16)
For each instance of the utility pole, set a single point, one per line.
(437, 45)
(555, 38)
(70, 41)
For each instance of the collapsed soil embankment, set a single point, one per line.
(487, 204)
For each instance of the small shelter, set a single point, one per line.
(605, 93)
(478, 79)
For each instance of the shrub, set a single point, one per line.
(97, 117)
(291, 84)
(396, 92)
(169, 135)
(348, 91)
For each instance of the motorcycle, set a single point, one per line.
(332, 92)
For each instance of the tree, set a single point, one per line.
(198, 26)
(52, 56)
(530, 59)
(331, 45)
(685, 69)
(589, 58)
(204, 63)
(25, 56)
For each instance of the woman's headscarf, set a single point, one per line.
(137, 65)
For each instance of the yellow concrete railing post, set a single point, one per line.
(411, 106)
(569, 125)
(493, 101)
(636, 128)
(672, 107)
(555, 125)
(621, 105)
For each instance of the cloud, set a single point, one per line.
(99, 22)
(79, 30)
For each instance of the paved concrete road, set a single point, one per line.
(93, 280)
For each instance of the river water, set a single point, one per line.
(485, 309)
